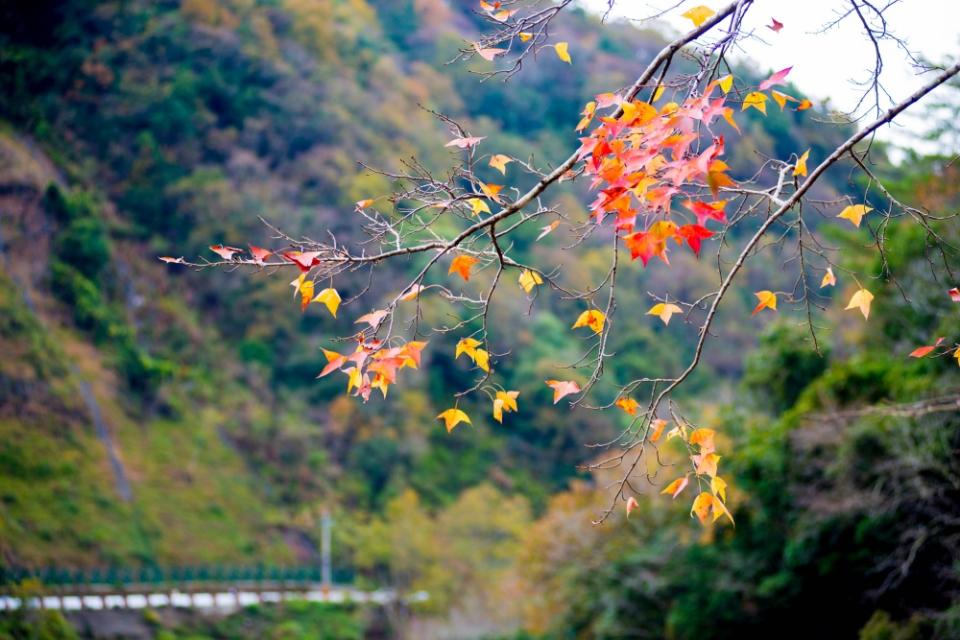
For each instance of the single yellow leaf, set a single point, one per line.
(452, 417)
(525, 36)
(562, 52)
(498, 410)
(768, 300)
(330, 298)
(801, 167)
(482, 358)
(306, 294)
(491, 190)
(657, 93)
(467, 346)
(719, 487)
(756, 100)
(478, 205)
(854, 213)
(698, 15)
(593, 319)
(664, 311)
(726, 83)
(499, 162)
(354, 379)
(828, 278)
(702, 506)
(861, 300)
(782, 99)
(529, 279)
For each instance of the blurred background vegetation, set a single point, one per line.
(152, 417)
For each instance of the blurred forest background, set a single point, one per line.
(156, 417)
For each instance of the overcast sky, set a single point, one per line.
(829, 64)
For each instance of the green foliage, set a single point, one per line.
(781, 367)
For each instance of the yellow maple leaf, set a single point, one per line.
(756, 100)
(499, 162)
(452, 417)
(354, 379)
(529, 279)
(706, 463)
(664, 311)
(726, 83)
(768, 300)
(782, 99)
(828, 278)
(861, 300)
(800, 169)
(330, 298)
(698, 15)
(482, 358)
(467, 346)
(306, 294)
(719, 487)
(593, 319)
(854, 213)
(562, 49)
(478, 205)
(702, 506)
(492, 191)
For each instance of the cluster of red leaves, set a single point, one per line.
(644, 158)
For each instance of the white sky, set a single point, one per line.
(827, 65)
